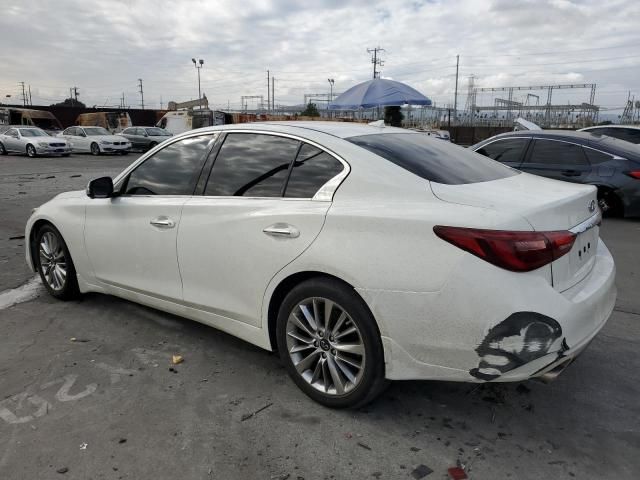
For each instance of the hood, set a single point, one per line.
(109, 138)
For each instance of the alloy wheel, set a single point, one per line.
(53, 261)
(31, 151)
(325, 346)
(95, 149)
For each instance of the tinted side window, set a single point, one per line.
(508, 150)
(596, 157)
(311, 170)
(557, 152)
(433, 159)
(173, 170)
(628, 134)
(251, 165)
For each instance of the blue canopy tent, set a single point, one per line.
(378, 93)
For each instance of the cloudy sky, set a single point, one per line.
(103, 47)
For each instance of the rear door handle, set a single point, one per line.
(571, 173)
(282, 230)
(163, 222)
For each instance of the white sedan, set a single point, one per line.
(32, 141)
(96, 140)
(361, 254)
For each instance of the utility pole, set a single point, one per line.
(75, 93)
(30, 98)
(160, 102)
(375, 60)
(24, 95)
(198, 67)
(273, 94)
(268, 93)
(455, 99)
(141, 93)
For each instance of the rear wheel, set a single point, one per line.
(54, 264)
(31, 151)
(95, 149)
(152, 145)
(3, 151)
(330, 345)
(610, 203)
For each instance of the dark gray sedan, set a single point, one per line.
(610, 164)
(145, 138)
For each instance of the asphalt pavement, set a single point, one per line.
(88, 389)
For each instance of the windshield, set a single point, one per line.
(157, 132)
(433, 159)
(94, 131)
(33, 132)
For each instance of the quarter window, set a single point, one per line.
(251, 165)
(505, 151)
(311, 170)
(552, 152)
(174, 170)
(596, 157)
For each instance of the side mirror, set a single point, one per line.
(100, 188)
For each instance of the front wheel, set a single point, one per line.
(31, 151)
(95, 149)
(330, 345)
(54, 264)
(3, 151)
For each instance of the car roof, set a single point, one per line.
(337, 129)
(632, 127)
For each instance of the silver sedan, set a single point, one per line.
(33, 142)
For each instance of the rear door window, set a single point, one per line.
(433, 159)
(508, 150)
(554, 152)
(311, 170)
(252, 165)
(595, 157)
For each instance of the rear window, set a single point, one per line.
(433, 159)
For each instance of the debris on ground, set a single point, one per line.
(250, 415)
(421, 471)
(364, 445)
(173, 370)
(457, 473)
(50, 176)
(414, 449)
(282, 476)
(79, 340)
(176, 359)
(348, 435)
(83, 446)
(75, 176)
(62, 470)
(122, 440)
(17, 237)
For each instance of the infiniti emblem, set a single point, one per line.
(592, 206)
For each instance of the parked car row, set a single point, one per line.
(33, 141)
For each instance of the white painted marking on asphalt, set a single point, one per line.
(25, 292)
(10, 417)
(62, 395)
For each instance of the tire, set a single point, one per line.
(152, 145)
(124, 153)
(66, 154)
(54, 264)
(31, 151)
(95, 149)
(3, 151)
(610, 203)
(345, 368)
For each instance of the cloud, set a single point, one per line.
(104, 47)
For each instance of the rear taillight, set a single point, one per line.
(511, 250)
(634, 174)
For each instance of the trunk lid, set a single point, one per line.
(546, 205)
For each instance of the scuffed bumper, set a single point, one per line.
(476, 329)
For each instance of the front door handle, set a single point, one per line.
(163, 222)
(571, 173)
(282, 230)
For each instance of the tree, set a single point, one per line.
(69, 102)
(393, 116)
(311, 111)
